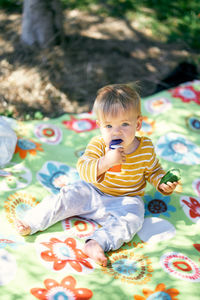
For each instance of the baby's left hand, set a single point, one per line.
(169, 187)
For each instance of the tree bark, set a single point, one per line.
(42, 23)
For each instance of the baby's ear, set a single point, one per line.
(139, 123)
(98, 123)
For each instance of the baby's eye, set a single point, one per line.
(125, 124)
(108, 126)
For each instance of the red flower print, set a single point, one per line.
(186, 94)
(194, 206)
(80, 125)
(197, 247)
(65, 290)
(62, 253)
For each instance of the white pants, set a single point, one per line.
(120, 217)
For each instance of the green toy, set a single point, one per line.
(172, 176)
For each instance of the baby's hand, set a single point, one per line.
(168, 187)
(110, 159)
(115, 156)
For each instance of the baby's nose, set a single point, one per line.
(117, 130)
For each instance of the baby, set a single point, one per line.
(112, 198)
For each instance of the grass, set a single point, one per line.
(169, 20)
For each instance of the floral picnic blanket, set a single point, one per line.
(163, 259)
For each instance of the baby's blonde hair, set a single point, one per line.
(114, 98)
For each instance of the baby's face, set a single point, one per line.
(122, 126)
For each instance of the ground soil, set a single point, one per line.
(96, 51)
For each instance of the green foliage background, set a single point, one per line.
(171, 20)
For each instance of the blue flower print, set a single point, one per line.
(55, 175)
(158, 205)
(175, 147)
(193, 123)
(125, 267)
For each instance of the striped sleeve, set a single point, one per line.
(154, 171)
(88, 162)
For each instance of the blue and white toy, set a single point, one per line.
(114, 144)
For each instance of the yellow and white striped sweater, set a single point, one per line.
(140, 166)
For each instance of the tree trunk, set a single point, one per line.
(42, 23)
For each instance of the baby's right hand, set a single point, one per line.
(115, 156)
(110, 159)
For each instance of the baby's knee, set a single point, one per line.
(139, 222)
(77, 188)
(134, 222)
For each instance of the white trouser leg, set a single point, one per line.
(120, 217)
(73, 200)
(123, 219)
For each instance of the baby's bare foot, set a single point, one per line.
(94, 251)
(22, 228)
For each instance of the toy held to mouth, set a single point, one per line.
(115, 143)
(172, 175)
